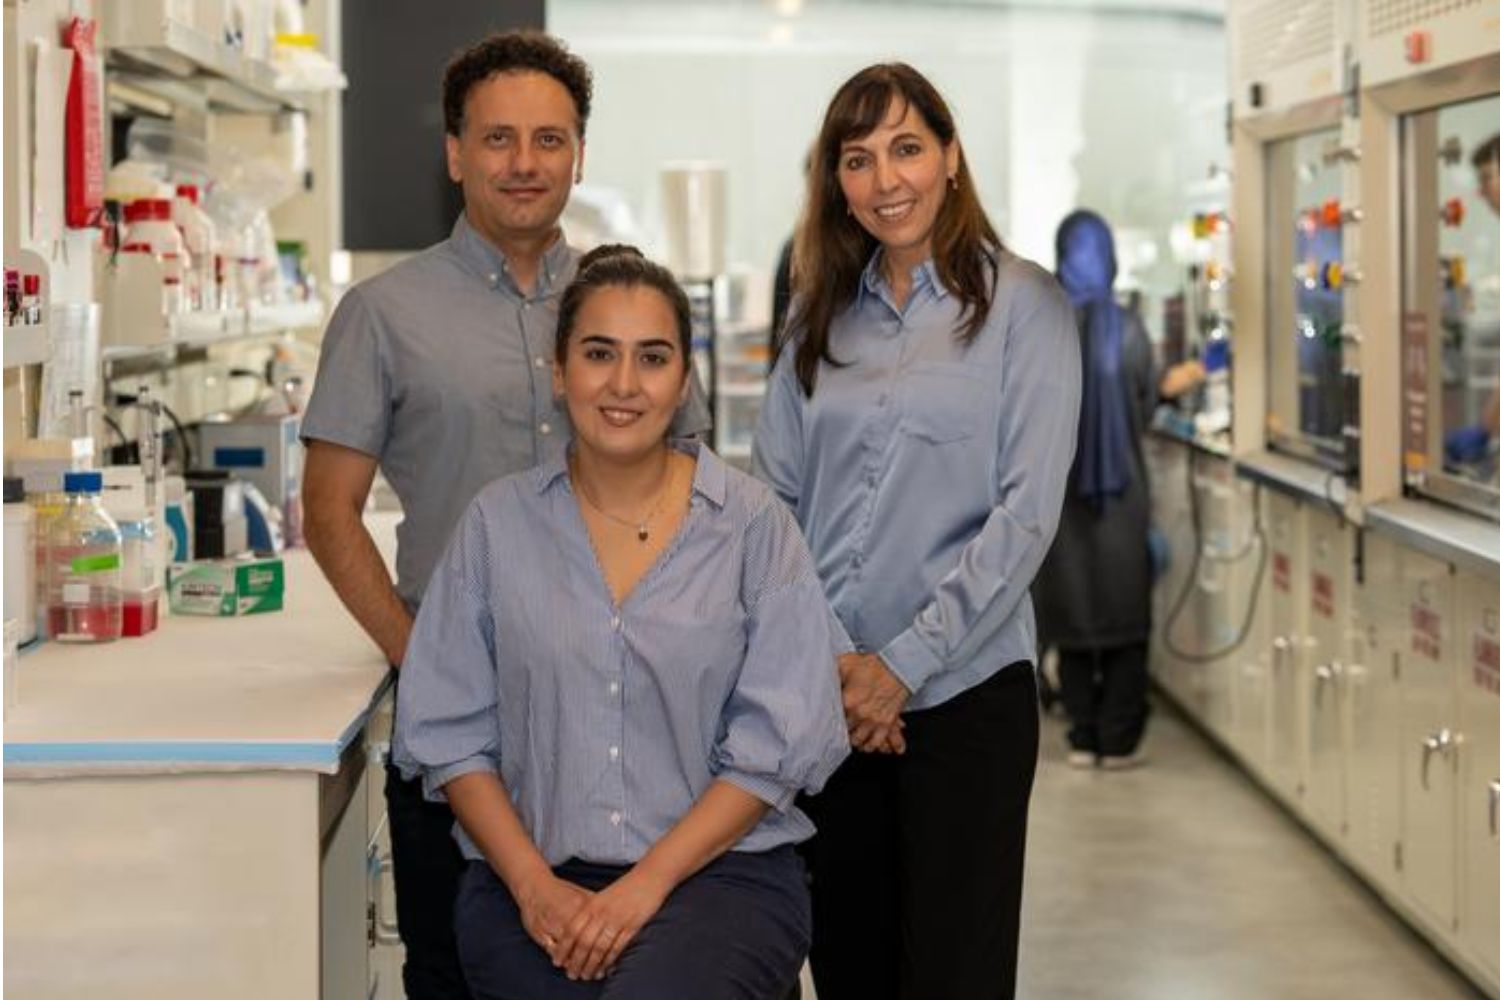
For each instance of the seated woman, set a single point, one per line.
(620, 678)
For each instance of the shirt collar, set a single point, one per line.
(488, 261)
(923, 277)
(710, 479)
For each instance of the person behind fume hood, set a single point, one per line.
(1471, 443)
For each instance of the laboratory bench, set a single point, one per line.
(196, 812)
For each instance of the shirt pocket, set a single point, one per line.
(944, 402)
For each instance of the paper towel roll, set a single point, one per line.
(695, 210)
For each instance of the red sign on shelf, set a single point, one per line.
(1281, 572)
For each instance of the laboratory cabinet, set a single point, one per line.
(1428, 732)
(1285, 522)
(1322, 682)
(1371, 703)
(199, 812)
(1478, 651)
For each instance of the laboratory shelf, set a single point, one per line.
(159, 54)
(208, 329)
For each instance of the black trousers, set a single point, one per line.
(917, 864)
(426, 866)
(1105, 694)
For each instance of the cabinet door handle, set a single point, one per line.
(1280, 646)
(1440, 742)
(1323, 674)
(1494, 807)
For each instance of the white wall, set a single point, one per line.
(1120, 111)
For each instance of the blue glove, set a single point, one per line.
(1216, 355)
(1467, 444)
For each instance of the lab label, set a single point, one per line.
(1486, 663)
(226, 587)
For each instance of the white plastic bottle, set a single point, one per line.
(20, 560)
(84, 566)
(149, 229)
(198, 236)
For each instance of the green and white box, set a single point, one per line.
(226, 587)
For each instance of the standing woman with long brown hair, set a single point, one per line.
(921, 421)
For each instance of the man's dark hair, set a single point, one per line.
(1488, 152)
(514, 52)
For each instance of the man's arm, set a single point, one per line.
(336, 483)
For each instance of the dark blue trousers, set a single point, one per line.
(737, 930)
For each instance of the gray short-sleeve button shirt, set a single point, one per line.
(440, 368)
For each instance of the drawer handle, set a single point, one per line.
(382, 929)
(1494, 808)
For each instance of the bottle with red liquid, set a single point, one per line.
(84, 566)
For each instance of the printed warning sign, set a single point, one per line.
(1426, 632)
(1281, 572)
(1322, 595)
(1487, 663)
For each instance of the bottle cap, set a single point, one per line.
(188, 191)
(15, 489)
(83, 482)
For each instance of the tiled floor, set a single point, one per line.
(1182, 881)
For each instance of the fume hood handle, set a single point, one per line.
(1339, 153)
(1494, 791)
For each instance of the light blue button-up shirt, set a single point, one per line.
(928, 475)
(607, 723)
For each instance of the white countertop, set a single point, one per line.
(285, 690)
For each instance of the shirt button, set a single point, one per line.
(494, 278)
(525, 305)
(545, 428)
(614, 623)
(614, 753)
(614, 818)
(541, 362)
(614, 687)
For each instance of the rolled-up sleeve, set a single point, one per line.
(783, 726)
(447, 713)
(1040, 390)
(350, 400)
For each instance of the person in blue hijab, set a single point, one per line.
(1093, 594)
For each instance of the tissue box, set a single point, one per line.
(226, 586)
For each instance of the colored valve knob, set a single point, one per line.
(1205, 224)
(1452, 212)
(1333, 275)
(1333, 214)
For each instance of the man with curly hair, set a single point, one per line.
(438, 373)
